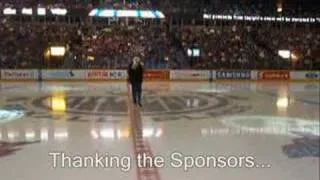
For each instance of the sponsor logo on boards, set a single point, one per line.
(156, 75)
(105, 74)
(18, 74)
(274, 75)
(233, 75)
(60, 74)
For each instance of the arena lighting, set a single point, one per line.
(207, 16)
(279, 9)
(59, 11)
(57, 51)
(195, 52)
(27, 11)
(41, 11)
(93, 12)
(105, 13)
(9, 11)
(127, 13)
(91, 58)
(294, 57)
(159, 14)
(284, 54)
(230, 17)
(110, 13)
(147, 14)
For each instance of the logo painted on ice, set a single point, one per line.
(112, 107)
(10, 148)
(312, 75)
(305, 146)
(306, 133)
(10, 115)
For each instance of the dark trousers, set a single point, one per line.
(136, 92)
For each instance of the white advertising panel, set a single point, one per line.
(189, 75)
(65, 74)
(106, 75)
(12, 74)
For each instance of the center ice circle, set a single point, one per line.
(116, 105)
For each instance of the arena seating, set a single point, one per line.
(223, 46)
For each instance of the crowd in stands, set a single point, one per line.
(241, 47)
(114, 47)
(222, 46)
(297, 8)
(23, 46)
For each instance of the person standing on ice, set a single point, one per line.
(135, 78)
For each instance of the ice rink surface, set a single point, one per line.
(195, 131)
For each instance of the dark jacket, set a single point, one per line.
(135, 75)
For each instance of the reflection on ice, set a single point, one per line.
(61, 133)
(30, 135)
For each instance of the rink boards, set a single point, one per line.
(163, 75)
